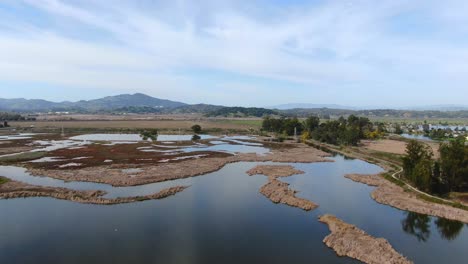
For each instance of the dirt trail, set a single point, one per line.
(348, 240)
(278, 191)
(14, 189)
(393, 195)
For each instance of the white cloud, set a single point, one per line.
(330, 46)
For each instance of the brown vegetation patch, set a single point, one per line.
(119, 154)
(14, 189)
(348, 240)
(393, 195)
(152, 171)
(277, 191)
(274, 170)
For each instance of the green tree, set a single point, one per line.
(311, 123)
(196, 129)
(398, 129)
(454, 164)
(417, 164)
(149, 134)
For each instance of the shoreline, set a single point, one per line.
(14, 189)
(388, 193)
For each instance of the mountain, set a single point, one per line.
(21, 104)
(447, 107)
(106, 103)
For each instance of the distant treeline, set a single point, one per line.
(242, 112)
(328, 112)
(216, 110)
(6, 116)
(346, 131)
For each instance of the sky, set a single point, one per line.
(392, 53)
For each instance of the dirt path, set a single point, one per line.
(348, 240)
(14, 189)
(278, 191)
(395, 196)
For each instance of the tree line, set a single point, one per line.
(242, 112)
(6, 116)
(344, 131)
(439, 176)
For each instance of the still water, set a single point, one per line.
(221, 218)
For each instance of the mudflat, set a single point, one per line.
(348, 240)
(15, 189)
(278, 191)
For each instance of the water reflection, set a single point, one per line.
(448, 229)
(418, 225)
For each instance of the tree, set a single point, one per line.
(311, 123)
(149, 134)
(426, 127)
(305, 136)
(196, 129)
(417, 164)
(398, 129)
(454, 164)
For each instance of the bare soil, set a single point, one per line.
(395, 196)
(395, 146)
(14, 189)
(348, 240)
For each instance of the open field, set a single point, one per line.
(395, 146)
(220, 125)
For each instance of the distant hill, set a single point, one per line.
(439, 108)
(106, 103)
(141, 103)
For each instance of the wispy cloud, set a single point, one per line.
(321, 51)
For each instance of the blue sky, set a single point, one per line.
(251, 53)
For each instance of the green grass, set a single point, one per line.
(435, 200)
(3, 180)
(389, 178)
(22, 157)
